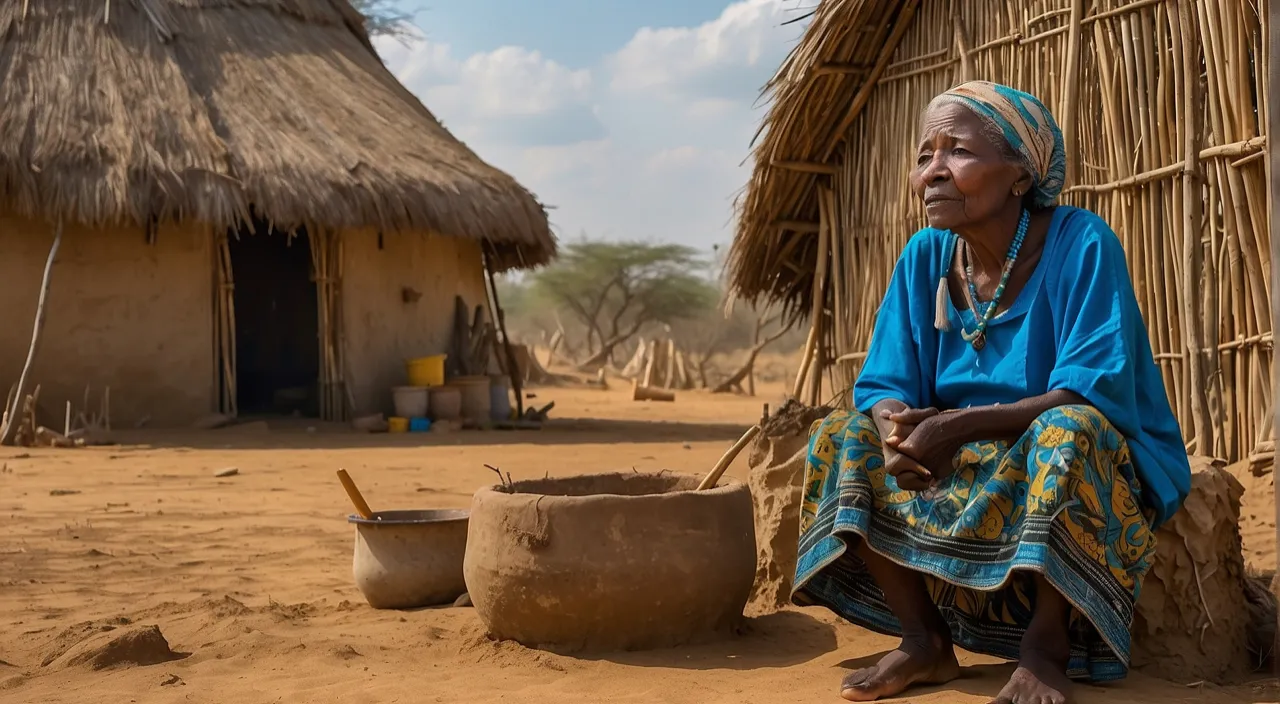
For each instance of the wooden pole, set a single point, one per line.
(1272, 21)
(1192, 252)
(961, 39)
(16, 417)
(513, 372)
(1071, 103)
(671, 364)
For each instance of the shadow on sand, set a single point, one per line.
(303, 434)
(987, 680)
(779, 640)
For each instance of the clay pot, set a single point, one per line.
(408, 559)
(446, 403)
(476, 403)
(610, 561)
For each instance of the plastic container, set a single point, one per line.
(499, 397)
(419, 425)
(410, 401)
(446, 403)
(426, 371)
(475, 397)
(396, 424)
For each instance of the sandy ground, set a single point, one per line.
(251, 575)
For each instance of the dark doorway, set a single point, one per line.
(276, 318)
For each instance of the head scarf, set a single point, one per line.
(1027, 126)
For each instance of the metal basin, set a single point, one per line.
(409, 559)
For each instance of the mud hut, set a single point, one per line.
(1163, 105)
(252, 210)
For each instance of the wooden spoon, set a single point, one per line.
(727, 459)
(357, 499)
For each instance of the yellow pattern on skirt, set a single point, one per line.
(1062, 501)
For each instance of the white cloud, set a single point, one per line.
(510, 95)
(724, 58)
(645, 143)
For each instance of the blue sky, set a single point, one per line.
(571, 32)
(632, 119)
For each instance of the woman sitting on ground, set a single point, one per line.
(1013, 449)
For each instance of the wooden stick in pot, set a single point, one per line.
(357, 499)
(727, 459)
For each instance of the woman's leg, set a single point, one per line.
(1041, 677)
(845, 467)
(925, 655)
(1072, 434)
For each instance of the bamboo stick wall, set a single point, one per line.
(224, 329)
(326, 271)
(1159, 101)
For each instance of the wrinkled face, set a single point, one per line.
(963, 177)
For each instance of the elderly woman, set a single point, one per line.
(1013, 449)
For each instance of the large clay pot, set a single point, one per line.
(408, 559)
(610, 561)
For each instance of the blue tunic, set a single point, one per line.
(1075, 326)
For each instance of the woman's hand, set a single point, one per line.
(909, 473)
(931, 441)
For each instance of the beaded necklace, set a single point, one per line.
(978, 338)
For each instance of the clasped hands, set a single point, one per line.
(920, 450)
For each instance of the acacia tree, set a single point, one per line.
(614, 289)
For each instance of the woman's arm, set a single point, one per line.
(1005, 422)
(933, 443)
(881, 412)
(910, 474)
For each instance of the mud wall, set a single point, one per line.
(121, 312)
(381, 329)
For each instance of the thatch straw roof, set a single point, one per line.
(119, 112)
(775, 250)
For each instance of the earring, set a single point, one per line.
(1017, 193)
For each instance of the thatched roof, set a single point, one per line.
(116, 112)
(814, 96)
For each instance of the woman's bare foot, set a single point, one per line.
(928, 661)
(1038, 680)
(1041, 677)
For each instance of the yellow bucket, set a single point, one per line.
(426, 371)
(397, 425)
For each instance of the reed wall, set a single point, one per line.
(1160, 101)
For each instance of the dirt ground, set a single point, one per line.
(249, 576)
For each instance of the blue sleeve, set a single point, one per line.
(1096, 327)
(892, 368)
(1104, 355)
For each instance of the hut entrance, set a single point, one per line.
(277, 358)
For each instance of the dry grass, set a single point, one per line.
(199, 110)
(1160, 101)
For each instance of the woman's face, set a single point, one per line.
(962, 177)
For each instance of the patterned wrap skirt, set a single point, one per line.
(1062, 501)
